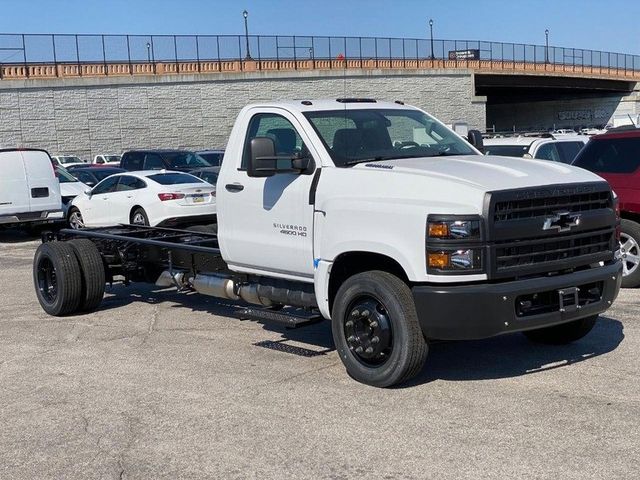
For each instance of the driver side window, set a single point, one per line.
(287, 141)
(108, 185)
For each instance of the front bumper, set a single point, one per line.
(467, 312)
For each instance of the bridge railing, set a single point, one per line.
(45, 55)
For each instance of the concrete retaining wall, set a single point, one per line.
(87, 116)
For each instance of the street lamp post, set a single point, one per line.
(148, 52)
(245, 14)
(431, 35)
(546, 48)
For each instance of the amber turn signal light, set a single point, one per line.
(438, 230)
(439, 260)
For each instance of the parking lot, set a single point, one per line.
(164, 385)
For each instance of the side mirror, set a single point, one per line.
(527, 155)
(263, 161)
(88, 192)
(475, 138)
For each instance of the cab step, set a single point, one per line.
(283, 319)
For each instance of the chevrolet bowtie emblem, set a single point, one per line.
(562, 221)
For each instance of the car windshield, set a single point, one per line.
(610, 155)
(185, 159)
(364, 135)
(214, 158)
(506, 150)
(209, 177)
(102, 174)
(64, 176)
(174, 178)
(64, 160)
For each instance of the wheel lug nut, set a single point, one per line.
(373, 324)
(365, 313)
(355, 313)
(359, 350)
(369, 350)
(351, 338)
(375, 340)
(349, 324)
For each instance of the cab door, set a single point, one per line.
(267, 223)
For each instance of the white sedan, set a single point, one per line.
(153, 197)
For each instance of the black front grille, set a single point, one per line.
(518, 254)
(538, 207)
(527, 235)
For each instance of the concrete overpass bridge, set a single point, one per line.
(84, 93)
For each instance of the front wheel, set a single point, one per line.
(563, 333)
(376, 331)
(630, 253)
(75, 219)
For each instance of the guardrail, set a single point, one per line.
(51, 56)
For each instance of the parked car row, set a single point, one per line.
(182, 158)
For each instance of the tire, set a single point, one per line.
(139, 217)
(93, 273)
(630, 253)
(57, 278)
(564, 333)
(74, 219)
(378, 305)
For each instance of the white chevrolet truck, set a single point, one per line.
(377, 217)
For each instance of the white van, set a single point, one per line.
(29, 189)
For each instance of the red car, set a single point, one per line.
(615, 156)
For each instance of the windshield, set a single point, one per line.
(185, 159)
(112, 158)
(610, 155)
(354, 136)
(102, 174)
(64, 176)
(69, 160)
(214, 158)
(506, 150)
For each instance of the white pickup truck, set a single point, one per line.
(382, 220)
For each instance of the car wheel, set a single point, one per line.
(139, 217)
(630, 253)
(563, 333)
(75, 219)
(376, 331)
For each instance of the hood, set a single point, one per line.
(72, 189)
(486, 172)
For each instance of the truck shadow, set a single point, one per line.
(18, 236)
(513, 355)
(505, 356)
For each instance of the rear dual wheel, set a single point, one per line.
(68, 277)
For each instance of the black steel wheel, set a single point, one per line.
(376, 331)
(57, 278)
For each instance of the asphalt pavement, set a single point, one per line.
(158, 384)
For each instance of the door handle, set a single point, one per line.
(234, 187)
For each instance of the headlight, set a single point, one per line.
(454, 244)
(462, 260)
(453, 229)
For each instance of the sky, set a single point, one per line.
(612, 25)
